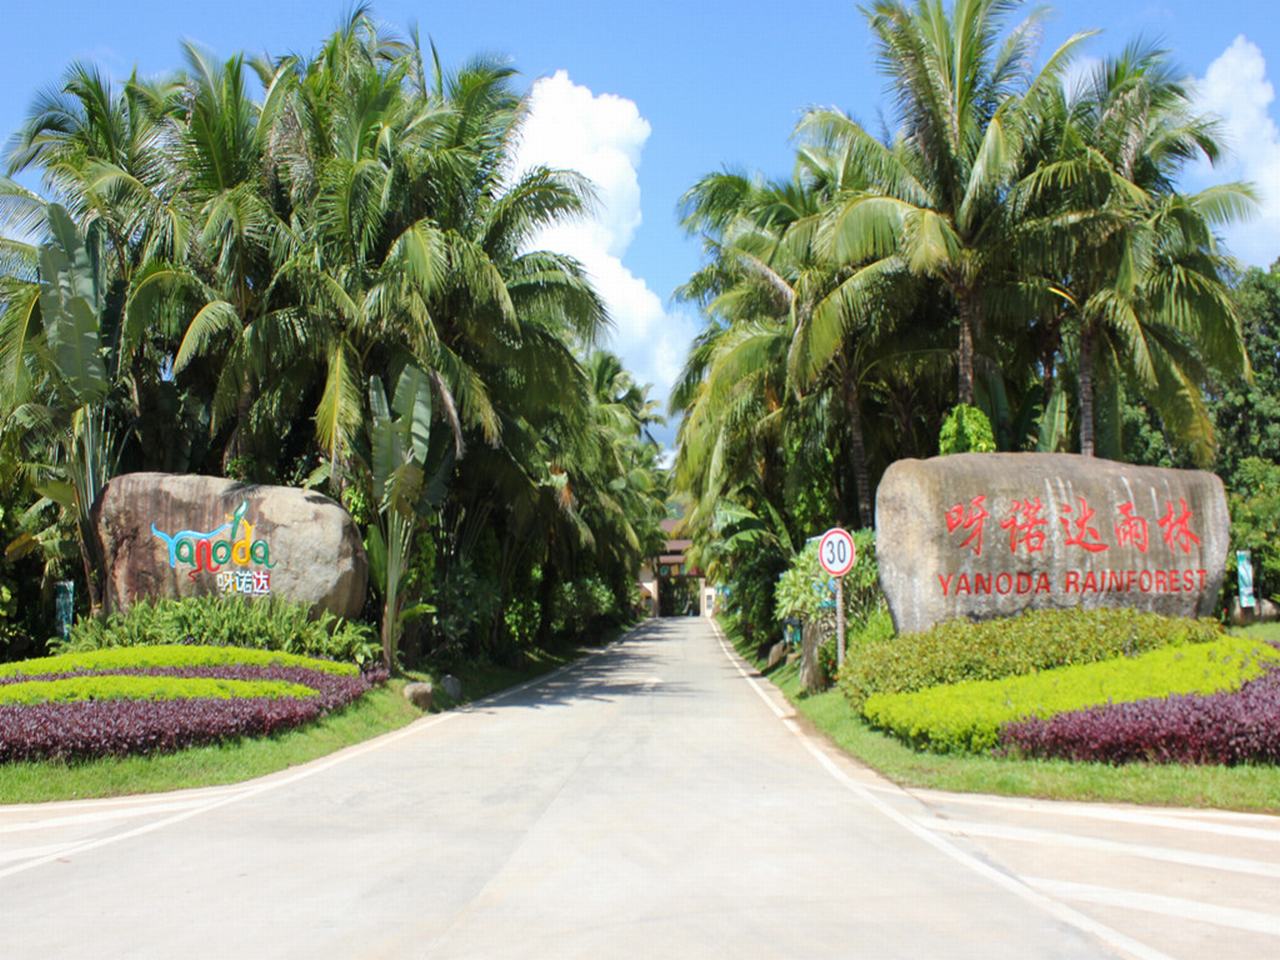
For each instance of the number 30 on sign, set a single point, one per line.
(836, 552)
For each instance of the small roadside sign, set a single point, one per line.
(1244, 578)
(837, 554)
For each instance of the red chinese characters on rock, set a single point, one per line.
(1027, 526)
(1085, 537)
(1177, 531)
(973, 518)
(1024, 523)
(1131, 530)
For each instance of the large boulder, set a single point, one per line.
(167, 535)
(983, 535)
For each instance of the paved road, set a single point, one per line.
(653, 801)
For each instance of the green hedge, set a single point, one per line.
(72, 689)
(968, 716)
(269, 624)
(171, 655)
(1037, 640)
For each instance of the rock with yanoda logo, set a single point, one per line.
(167, 535)
(982, 535)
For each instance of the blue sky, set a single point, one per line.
(647, 96)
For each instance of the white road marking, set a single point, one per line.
(44, 850)
(305, 772)
(969, 828)
(1113, 938)
(1169, 819)
(120, 813)
(1251, 920)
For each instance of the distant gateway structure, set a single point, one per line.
(669, 586)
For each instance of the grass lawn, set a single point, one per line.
(380, 711)
(1254, 788)
(1260, 631)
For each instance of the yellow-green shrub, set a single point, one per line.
(991, 649)
(112, 659)
(125, 687)
(967, 716)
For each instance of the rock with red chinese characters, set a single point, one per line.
(167, 535)
(982, 535)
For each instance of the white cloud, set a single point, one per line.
(602, 137)
(1236, 88)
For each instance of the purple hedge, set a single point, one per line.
(81, 731)
(1221, 728)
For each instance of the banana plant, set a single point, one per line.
(63, 418)
(400, 443)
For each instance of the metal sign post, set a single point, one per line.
(837, 554)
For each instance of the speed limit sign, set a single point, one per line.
(836, 552)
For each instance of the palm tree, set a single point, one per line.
(936, 199)
(1141, 276)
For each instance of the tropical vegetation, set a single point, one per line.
(1011, 265)
(318, 270)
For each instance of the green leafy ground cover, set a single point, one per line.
(113, 659)
(75, 689)
(270, 624)
(967, 716)
(1254, 788)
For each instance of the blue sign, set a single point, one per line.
(1244, 578)
(64, 606)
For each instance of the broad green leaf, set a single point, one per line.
(413, 404)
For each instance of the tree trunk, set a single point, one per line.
(92, 566)
(964, 361)
(858, 452)
(1086, 390)
(237, 442)
(811, 678)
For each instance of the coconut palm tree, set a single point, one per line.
(934, 203)
(1141, 276)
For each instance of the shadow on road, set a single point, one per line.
(633, 667)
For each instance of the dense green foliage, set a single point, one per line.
(112, 659)
(991, 649)
(1013, 242)
(1255, 523)
(806, 594)
(75, 689)
(966, 430)
(226, 621)
(322, 270)
(967, 716)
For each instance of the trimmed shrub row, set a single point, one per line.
(122, 659)
(99, 728)
(1225, 728)
(152, 687)
(967, 716)
(990, 650)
